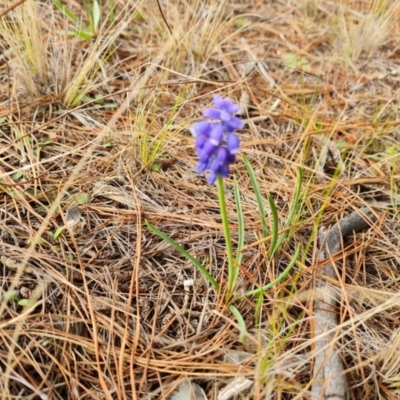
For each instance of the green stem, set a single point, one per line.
(227, 234)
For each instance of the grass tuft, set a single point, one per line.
(366, 27)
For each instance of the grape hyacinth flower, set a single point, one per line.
(216, 141)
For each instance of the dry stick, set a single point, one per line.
(330, 380)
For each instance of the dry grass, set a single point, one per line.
(112, 318)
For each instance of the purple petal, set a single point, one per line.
(233, 124)
(207, 151)
(226, 104)
(224, 170)
(201, 128)
(211, 113)
(219, 160)
(201, 167)
(231, 158)
(222, 155)
(219, 101)
(217, 134)
(225, 116)
(233, 143)
(212, 177)
(200, 142)
(233, 108)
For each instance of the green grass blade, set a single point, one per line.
(96, 16)
(258, 309)
(81, 34)
(275, 226)
(112, 11)
(181, 250)
(294, 208)
(276, 280)
(66, 11)
(259, 196)
(241, 323)
(296, 196)
(240, 216)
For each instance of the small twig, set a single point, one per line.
(330, 380)
(9, 9)
(259, 64)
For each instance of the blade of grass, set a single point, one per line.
(81, 34)
(112, 11)
(258, 308)
(294, 208)
(181, 250)
(275, 281)
(259, 196)
(66, 11)
(241, 323)
(275, 226)
(96, 16)
(240, 218)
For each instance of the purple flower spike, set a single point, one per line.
(216, 142)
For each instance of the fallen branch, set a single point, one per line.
(329, 377)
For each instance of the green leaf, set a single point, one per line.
(342, 144)
(87, 99)
(391, 151)
(99, 99)
(12, 295)
(37, 241)
(292, 61)
(82, 198)
(27, 302)
(241, 230)
(17, 175)
(275, 226)
(58, 232)
(181, 250)
(257, 191)
(240, 21)
(46, 143)
(66, 11)
(82, 34)
(294, 208)
(241, 323)
(110, 106)
(112, 11)
(96, 13)
(155, 167)
(17, 195)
